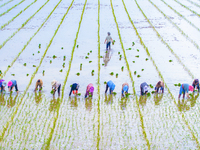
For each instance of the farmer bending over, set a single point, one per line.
(74, 89)
(2, 85)
(144, 88)
(159, 87)
(108, 40)
(125, 88)
(11, 85)
(196, 84)
(89, 90)
(56, 87)
(185, 88)
(38, 83)
(110, 85)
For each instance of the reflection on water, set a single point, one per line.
(123, 103)
(157, 98)
(107, 57)
(54, 104)
(143, 100)
(88, 104)
(2, 100)
(186, 104)
(109, 99)
(74, 101)
(11, 102)
(38, 97)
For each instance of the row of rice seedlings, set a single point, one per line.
(181, 15)
(171, 50)
(193, 3)
(11, 8)
(6, 3)
(22, 25)
(174, 24)
(194, 12)
(1, 75)
(47, 143)
(17, 15)
(130, 74)
(171, 95)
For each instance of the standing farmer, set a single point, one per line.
(110, 85)
(56, 86)
(11, 85)
(185, 88)
(89, 90)
(74, 89)
(38, 83)
(125, 88)
(108, 41)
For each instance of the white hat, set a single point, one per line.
(53, 82)
(145, 89)
(4, 83)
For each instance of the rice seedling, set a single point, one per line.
(148, 94)
(91, 51)
(105, 82)
(138, 76)
(24, 64)
(8, 66)
(133, 43)
(52, 91)
(122, 68)
(92, 70)
(101, 56)
(88, 53)
(151, 86)
(86, 57)
(54, 56)
(71, 85)
(61, 70)
(13, 74)
(38, 52)
(135, 72)
(34, 65)
(170, 60)
(78, 74)
(0, 72)
(79, 94)
(137, 56)
(77, 46)
(179, 84)
(113, 42)
(118, 53)
(116, 75)
(146, 59)
(33, 54)
(112, 73)
(61, 47)
(80, 66)
(43, 72)
(50, 61)
(175, 84)
(152, 92)
(39, 46)
(63, 65)
(64, 58)
(114, 93)
(138, 50)
(133, 61)
(142, 69)
(27, 74)
(103, 64)
(90, 61)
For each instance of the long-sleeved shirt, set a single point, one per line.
(75, 86)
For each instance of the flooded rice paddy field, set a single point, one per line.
(50, 40)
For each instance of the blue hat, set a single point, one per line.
(125, 88)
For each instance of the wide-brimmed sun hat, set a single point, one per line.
(125, 88)
(191, 88)
(10, 83)
(92, 89)
(53, 82)
(4, 83)
(145, 89)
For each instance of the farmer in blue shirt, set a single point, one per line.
(125, 88)
(110, 85)
(185, 88)
(11, 85)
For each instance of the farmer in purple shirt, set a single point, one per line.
(2, 85)
(185, 88)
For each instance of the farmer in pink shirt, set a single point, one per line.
(89, 90)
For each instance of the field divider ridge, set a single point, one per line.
(130, 74)
(179, 29)
(18, 14)
(32, 77)
(22, 25)
(181, 15)
(6, 3)
(11, 8)
(48, 141)
(159, 36)
(147, 51)
(193, 3)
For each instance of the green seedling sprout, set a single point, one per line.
(129, 48)
(114, 93)
(80, 66)
(79, 94)
(170, 60)
(106, 52)
(38, 52)
(64, 57)
(118, 53)
(92, 70)
(142, 69)
(78, 74)
(63, 65)
(133, 43)
(151, 86)
(120, 56)
(24, 64)
(39, 46)
(133, 61)
(34, 65)
(88, 53)
(0, 72)
(191, 94)
(175, 84)
(148, 94)
(52, 91)
(77, 46)
(152, 92)
(86, 57)
(50, 61)
(113, 42)
(101, 56)
(135, 72)
(90, 61)
(111, 73)
(70, 85)
(138, 76)
(122, 68)
(61, 70)
(33, 54)
(92, 73)
(91, 51)
(116, 75)
(8, 66)
(105, 82)
(146, 59)
(61, 47)
(13, 74)
(27, 74)
(138, 50)
(179, 84)
(43, 72)
(137, 56)
(103, 64)
(54, 56)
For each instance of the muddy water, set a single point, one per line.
(39, 121)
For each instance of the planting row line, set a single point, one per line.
(6, 3)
